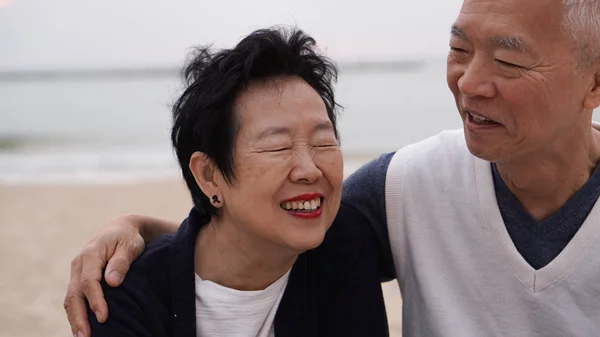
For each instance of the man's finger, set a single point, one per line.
(95, 297)
(119, 263)
(93, 263)
(117, 268)
(74, 302)
(77, 314)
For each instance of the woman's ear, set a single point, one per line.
(205, 173)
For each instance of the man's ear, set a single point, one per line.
(592, 99)
(205, 173)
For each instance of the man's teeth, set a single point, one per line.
(481, 119)
(309, 205)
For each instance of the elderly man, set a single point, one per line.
(492, 230)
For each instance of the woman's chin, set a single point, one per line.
(306, 241)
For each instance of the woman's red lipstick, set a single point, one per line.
(302, 213)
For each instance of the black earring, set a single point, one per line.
(215, 199)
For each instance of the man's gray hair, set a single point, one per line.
(582, 25)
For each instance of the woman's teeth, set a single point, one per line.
(305, 206)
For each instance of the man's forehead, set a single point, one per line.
(505, 7)
(528, 15)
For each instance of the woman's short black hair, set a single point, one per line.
(203, 117)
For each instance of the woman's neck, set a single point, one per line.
(224, 255)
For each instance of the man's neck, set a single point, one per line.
(229, 258)
(545, 181)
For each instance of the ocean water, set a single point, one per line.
(99, 129)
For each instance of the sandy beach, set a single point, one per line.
(42, 227)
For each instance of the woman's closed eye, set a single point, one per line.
(287, 148)
(326, 145)
(279, 149)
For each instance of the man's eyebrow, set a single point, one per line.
(511, 43)
(456, 31)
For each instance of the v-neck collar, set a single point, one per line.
(534, 280)
(558, 218)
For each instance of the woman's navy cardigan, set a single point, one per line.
(333, 290)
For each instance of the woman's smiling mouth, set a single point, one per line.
(307, 206)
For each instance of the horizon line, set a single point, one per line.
(163, 71)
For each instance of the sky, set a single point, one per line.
(83, 34)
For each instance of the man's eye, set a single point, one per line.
(458, 50)
(508, 64)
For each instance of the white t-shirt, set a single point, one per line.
(222, 311)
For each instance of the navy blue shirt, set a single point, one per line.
(332, 290)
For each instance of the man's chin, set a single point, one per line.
(484, 151)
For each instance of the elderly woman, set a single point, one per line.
(255, 136)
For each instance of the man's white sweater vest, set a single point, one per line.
(459, 272)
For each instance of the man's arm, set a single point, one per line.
(151, 228)
(115, 246)
(357, 305)
(364, 192)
